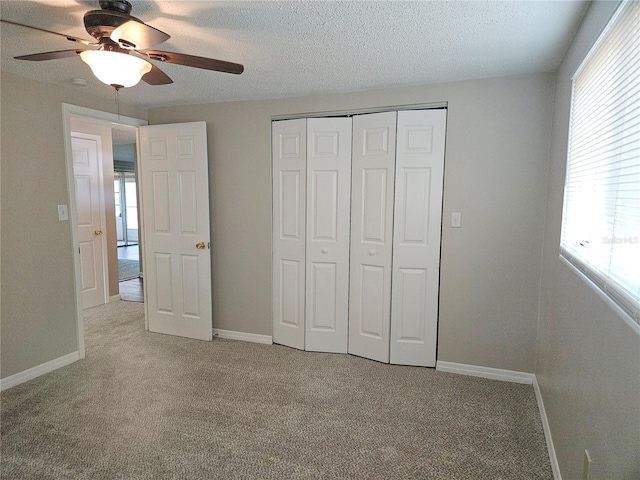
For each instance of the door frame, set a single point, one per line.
(101, 118)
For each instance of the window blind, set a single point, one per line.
(601, 215)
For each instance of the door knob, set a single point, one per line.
(372, 252)
(200, 246)
(324, 250)
(98, 232)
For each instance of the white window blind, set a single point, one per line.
(601, 216)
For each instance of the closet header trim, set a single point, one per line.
(360, 111)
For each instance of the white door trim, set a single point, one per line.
(95, 116)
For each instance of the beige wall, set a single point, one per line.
(37, 306)
(495, 174)
(588, 364)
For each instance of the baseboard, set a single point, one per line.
(114, 298)
(555, 467)
(245, 337)
(31, 373)
(486, 372)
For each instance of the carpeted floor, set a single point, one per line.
(128, 269)
(143, 405)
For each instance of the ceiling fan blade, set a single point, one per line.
(138, 35)
(68, 37)
(156, 77)
(194, 61)
(37, 57)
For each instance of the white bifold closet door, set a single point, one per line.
(289, 146)
(373, 168)
(416, 238)
(328, 221)
(356, 236)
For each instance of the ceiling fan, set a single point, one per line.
(120, 54)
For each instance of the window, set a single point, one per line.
(601, 216)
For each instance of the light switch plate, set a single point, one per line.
(63, 213)
(455, 219)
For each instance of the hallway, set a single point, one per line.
(130, 287)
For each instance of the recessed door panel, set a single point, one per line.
(190, 286)
(374, 202)
(290, 145)
(325, 144)
(186, 145)
(328, 225)
(290, 294)
(412, 288)
(372, 318)
(158, 148)
(85, 210)
(161, 207)
(324, 207)
(417, 230)
(414, 206)
(188, 202)
(289, 156)
(88, 274)
(289, 203)
(374, 139)
(163, 278)
(322, 297)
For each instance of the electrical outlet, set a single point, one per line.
(586, 469)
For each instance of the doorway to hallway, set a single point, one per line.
(129, 273)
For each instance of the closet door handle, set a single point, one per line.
(372, 252)
(324, 250)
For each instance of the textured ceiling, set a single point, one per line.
(304, 48)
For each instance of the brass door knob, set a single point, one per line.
(98, 232)
(200, 246)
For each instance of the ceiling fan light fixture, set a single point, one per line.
(116, 69)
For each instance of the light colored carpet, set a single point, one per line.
(143, 405)
(128, 269)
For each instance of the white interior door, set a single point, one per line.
(289, 143)
(417, 230)
(328, 219)
(373, 167)
(87, 171)
(174, 186)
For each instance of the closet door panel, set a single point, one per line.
(289, 233)
(373, 166)
(328, 213)
(417, 230)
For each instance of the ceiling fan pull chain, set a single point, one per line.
(117, 102)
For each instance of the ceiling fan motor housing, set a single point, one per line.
(101, 23)
(116, 5)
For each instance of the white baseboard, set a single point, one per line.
(114, 298)
(245, 337)
(31, 373)
(555, 467)
(486, 372)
